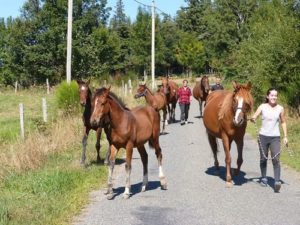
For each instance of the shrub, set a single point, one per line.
(67, 97)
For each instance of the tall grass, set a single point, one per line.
(41, 180)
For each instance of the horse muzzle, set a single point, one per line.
(239, 122)
(137, 96)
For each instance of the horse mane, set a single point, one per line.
(227, 103)
(112, 96)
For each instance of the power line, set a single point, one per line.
(162, 12)
(142, 3)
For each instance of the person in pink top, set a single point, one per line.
(185, 96)
(269, 136)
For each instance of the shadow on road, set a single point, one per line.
(136, 188)
(238, 180)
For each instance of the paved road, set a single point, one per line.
(195, 195)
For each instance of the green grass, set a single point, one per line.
(290, 156)
(9, 112)
(51, 194)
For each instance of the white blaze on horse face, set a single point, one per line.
(95, 107)
(83, 88)
(239, 109)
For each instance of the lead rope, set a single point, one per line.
(261, 148)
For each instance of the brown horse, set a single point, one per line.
(85, 95)
(169, 88)
(129, 129)
(158, 100)
(201, 91)
(225, 117)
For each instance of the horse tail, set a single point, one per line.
(213, 143)
(151, 143)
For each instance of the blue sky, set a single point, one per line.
(12, 7)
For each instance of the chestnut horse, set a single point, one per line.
(225, 117)
(201, 91)
(169, 88)
(129, 129)
(158, 100)
(85, 95)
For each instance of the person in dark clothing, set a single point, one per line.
(218, 85)
(184, 94)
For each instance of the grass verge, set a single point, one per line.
(51, 194)
(290, 156)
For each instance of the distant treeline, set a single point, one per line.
(254, 40)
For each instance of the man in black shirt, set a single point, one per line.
(218, 85)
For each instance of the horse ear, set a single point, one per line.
(234, 83)
(88, 82)
(106, 93)
(78, 82)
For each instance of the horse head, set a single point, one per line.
(205, 84)
(141, 91)
(242, 102)
(100, 106)
(84, 91)
(165, 85)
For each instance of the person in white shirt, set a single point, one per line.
(269, 135)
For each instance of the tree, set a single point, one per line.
(189, 52)
(270, 57)
(120, 24)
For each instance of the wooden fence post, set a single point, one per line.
(21, 107)
(130, 86)
(125, 90)
(44, 106)
(16, 86)
(48, 87)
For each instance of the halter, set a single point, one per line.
(142, 94)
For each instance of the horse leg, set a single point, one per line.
(164, 118)
(84, 143)
(214, 147)
(173, 111)
(129, 151)
(226, 145)
(240, 145)
(200, 107)
(158, 154)
(144, 157)
(112, 160)
(107, 132)
(98, 137)
(169, 112)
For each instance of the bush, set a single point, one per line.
(67, 97)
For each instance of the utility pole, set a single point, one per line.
(69, 40)
(153, 46)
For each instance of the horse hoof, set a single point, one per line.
(229, 184)
(164, 187)
(126, 196)
(163, 183)
(110, 196)
(143, 188)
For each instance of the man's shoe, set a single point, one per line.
(186, 122)
(182, 122)
(277, 186)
